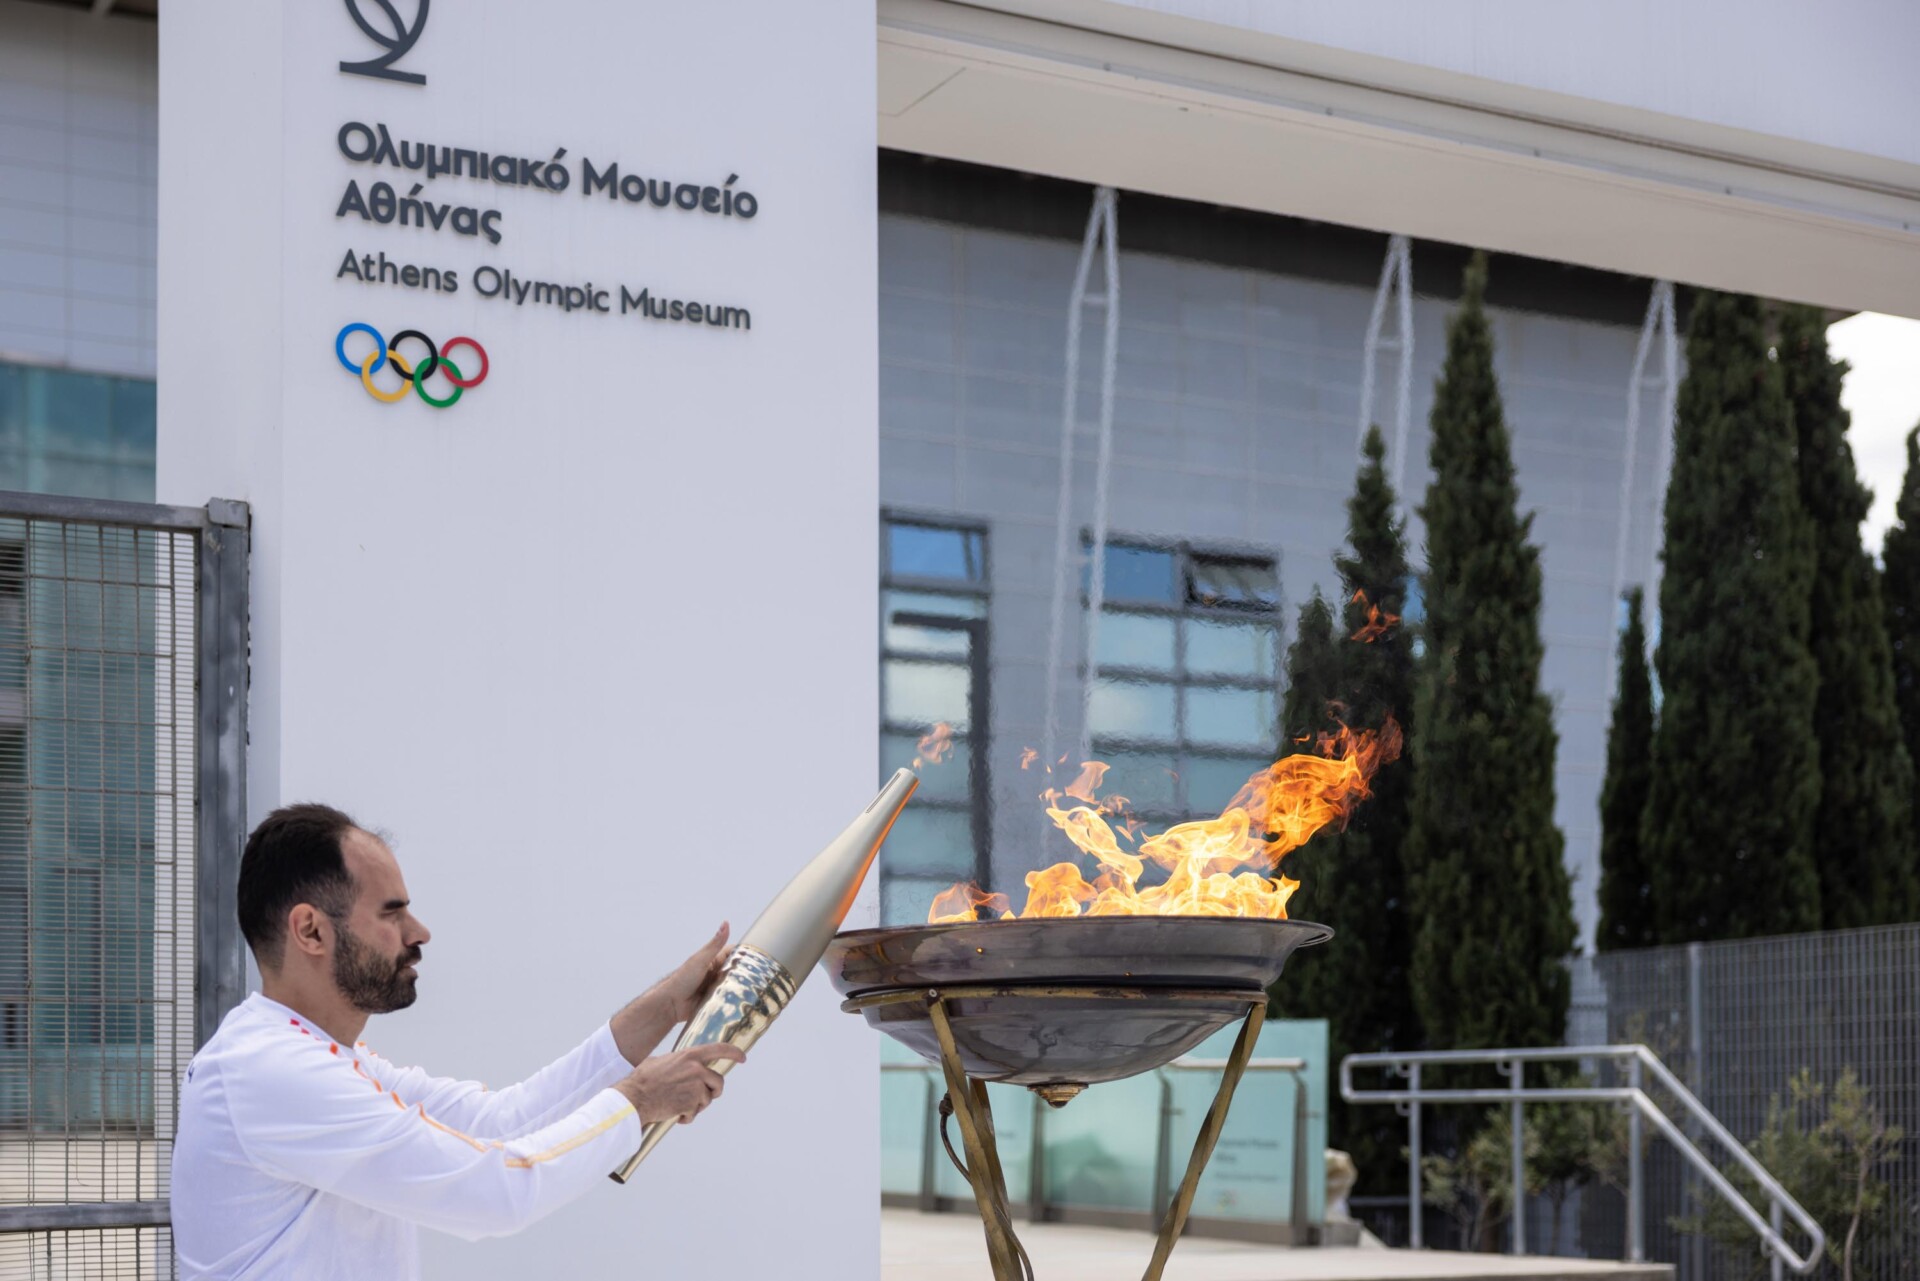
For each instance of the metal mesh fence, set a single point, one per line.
(97, 894)
(1737, 1021)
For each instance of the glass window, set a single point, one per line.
(927, 675)
(1139, 574)
(930, 842)
(1230, 649)
(926, 693)
(1128, 709)
(65, 432)
(1136, 640)
(1149, 780)
(1212, 781)
(1230, 582)
(948, 781)
(927, 551)
(1229, 716)
(905, 900)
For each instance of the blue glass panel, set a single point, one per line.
(1139, 573)
(1132, 710)
(1213, 780)
(923, 551)
(1230, 649)
(1136, 640)
(1230, 717)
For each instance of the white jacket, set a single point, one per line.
(299, 1157)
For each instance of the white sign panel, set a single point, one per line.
(541, 339)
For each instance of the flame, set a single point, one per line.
(1225, 866)
(1378, 623)
(934, 747)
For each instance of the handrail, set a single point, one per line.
(1637, 1059)
(1301, 1227)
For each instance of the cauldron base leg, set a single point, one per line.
(974, 1112)
(1176, 1221)
(975, 1115)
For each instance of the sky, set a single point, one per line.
(1882, 392)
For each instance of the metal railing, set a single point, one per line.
(1302, 1229)
(123, 674)
(1642, 1067)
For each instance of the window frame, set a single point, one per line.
(1184, 609)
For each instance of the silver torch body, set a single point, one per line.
(783, 945)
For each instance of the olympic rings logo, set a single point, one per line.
(414, 376)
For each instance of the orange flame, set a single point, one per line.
(1225, 866)
(935, 746)
(1378, 623)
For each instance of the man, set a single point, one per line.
(302, 1153)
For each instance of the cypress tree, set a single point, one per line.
(1900, 598)
(1729, 823)
(1354, 880)
(1493, 917)
(1863, 828)
(1626, 891)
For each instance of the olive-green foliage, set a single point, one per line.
(1863, 830)
(1563, 1147)
(1353, 879)
(1492, 913)
(1728, 831)
(1900, 597)
(1626, 889)
(1825, 1147)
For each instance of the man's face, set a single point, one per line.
(378, 946)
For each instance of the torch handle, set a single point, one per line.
(750, 994)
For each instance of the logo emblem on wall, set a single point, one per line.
(413, 376)
(396, 39)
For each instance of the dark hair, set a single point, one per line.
(293, 857)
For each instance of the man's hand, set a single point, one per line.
(647, 1019)
(680, 1084)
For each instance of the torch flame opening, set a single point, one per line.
(1225, 866)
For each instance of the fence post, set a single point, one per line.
(929, 1154)
(1163, 1149)
(1037, 1164)
(1776, 1266)
(1636, 1194)
(1516, 1074)
(1416, 1238)
(1302, 1233)
(1697, 1082)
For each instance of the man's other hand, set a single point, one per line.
(681, 990)
(680, 1084)
(645, 1021)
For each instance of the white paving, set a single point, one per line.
(950, 1247)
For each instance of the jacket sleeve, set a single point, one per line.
(542, 1098)
(312, 1117)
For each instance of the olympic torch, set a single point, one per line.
(781, 948)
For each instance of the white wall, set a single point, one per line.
(77, 142)
(1838, 75)
(595, 644)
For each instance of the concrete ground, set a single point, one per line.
(951, 1247)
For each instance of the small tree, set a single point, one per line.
(1626, 889)
(1826, 1149)
(1900, 598)
(1493, 916)
(1863, 829)
(1728, 832)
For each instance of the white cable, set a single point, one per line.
(1109, 359)
(1064, 554)
(1396, 286)
(1669, 385)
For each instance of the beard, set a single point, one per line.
(373, 983)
